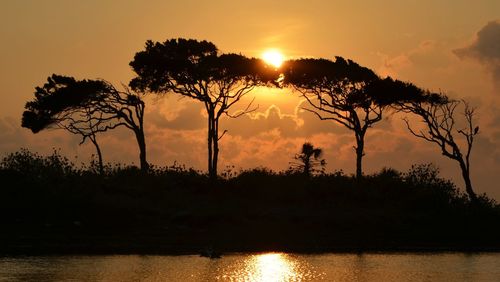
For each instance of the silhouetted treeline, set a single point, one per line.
(50, 205)
(338, 90)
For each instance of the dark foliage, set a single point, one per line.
(315, 72)
(388, 92)
(180, 65)
(171, 209)
(58, 96)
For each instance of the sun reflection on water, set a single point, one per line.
(269, 267)
(272, 267)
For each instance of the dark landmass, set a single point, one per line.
(48, 206)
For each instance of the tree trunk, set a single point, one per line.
(215, 151)
(307, 167)
(467, 181)
(141, 142)
(99, 154)
(360, 144)
(209, 143)
(215, 148)
(212, 145)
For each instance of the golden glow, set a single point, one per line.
(273, 267)
(268, 267)
(273, 57)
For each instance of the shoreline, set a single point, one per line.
(16, 251)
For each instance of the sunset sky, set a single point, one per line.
(451, 46)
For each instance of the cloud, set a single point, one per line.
(300, 123)
(291, 121)
(485, 49)
(392, 66)
(169, 113)
(253, 124)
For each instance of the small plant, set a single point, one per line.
(308, 160)
(229, 172)
(423, 174)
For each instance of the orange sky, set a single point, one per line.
(435, 44)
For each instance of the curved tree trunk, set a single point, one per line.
(467, 181)
(141, 142)
(93, 138)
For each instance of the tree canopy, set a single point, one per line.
(58, 100)
(192, 68)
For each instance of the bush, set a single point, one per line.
(33, 165)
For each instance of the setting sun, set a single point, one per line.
(273, 57)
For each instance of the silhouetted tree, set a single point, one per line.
(196, 70)
(64, 102)
(309, 158)
(439, 118)
(85, 108)
(345, 92)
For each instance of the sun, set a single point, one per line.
(273, 57)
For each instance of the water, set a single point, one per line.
(255, 267)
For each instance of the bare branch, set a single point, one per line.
(223, 133)
(440, 121)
